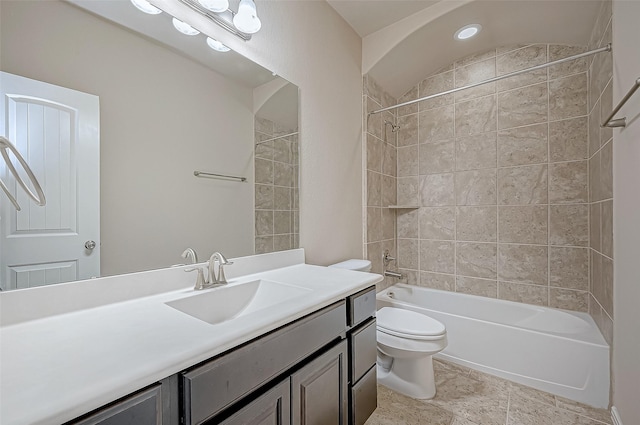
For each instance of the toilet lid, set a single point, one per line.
(407, 322)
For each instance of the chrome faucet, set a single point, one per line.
(219, 278)
(190, 253)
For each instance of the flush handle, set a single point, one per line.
(90, 245)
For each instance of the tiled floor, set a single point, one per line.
(469, 397)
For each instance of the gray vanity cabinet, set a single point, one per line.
(271, 408)
(319, 390)
(141, 408)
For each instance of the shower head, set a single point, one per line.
(394, 127)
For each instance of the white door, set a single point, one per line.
(57, 130)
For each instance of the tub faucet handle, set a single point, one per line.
(387, 258)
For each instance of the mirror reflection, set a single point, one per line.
(114, 124)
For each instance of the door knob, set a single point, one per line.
(90, 245)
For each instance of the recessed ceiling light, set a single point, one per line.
(146, 7)
(184, 27)
(467, 31)
(216, 45)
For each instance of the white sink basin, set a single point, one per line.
(228, 302)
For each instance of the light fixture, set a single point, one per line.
(217, 6)
(146, 7)
(467, 31)
(184, 27)
(216, 45)
(246, 20)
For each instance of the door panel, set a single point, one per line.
(57, 131)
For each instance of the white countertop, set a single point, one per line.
(58, 367)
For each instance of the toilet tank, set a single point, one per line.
(354, 264)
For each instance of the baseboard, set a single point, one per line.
(615, 416)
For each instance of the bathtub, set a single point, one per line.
(556, 351)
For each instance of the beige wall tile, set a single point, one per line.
(476, 223)
(474, 286)
(475, 152)
(436, 84)
(374, 121)
(374, 254)
(475, 116)
(437, 223)
(264, 197)
(264, 244)
(520, 59)
(408, 132)
(569, 299)
(595, 273)
(524, 106)
(594, 129)
(476, 187)
(509, 48)
(437, 190)
(374, 189)
(523, 224)
(282, 242)
(264, 171)
(282, 150)
(436, 124)
(478, 71)
(523, 145)
(528, 294)
(281, 222)
(408, 253)
(264, 223)
(263, 150)
(522, 185)
(389, 190)
(407, 222)
(389, 160)
(437, 256)
(388, 224)
(476, 259)
(412, 94)
(606, 106)
(595, 226)
(476, 57)
(607, 228)
(282, 174)
(437, 157)
(569, 225)
(282, 198)
(523, 263)
(408, 191)
(410, 277)
(568, 97)
(595, 180)
(575, 66)
(374, 224)
(568, 182)
(408, 161)
(569, 267)
(568, 139)
(606, 171)
(606, 296)
(445, 282)
(374, 153)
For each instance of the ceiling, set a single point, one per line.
(405, 41)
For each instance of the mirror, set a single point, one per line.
(167, 106)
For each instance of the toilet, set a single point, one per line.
(407, 341)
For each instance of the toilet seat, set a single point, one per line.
(408, 324)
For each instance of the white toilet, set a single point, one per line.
(406, 343)
(407, 340)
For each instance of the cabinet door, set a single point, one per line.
(271, 408)
(319, 390)
(143, 408)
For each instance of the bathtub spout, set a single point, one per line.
(391, 273)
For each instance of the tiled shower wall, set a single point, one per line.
(601, 177)
(381, 182)
(500, 175)
(276, 187)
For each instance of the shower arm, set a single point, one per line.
(606, 48)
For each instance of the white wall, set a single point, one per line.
(626, 207)
(309, 44)
(159, 123)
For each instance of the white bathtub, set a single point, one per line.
(556, 351)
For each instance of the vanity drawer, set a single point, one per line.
(363, 350)
(362, 305)
(208, 389)
(364, 397)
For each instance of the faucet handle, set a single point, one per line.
(200, 279)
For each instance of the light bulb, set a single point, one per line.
(146, 7)
(467, 31)
(216, 45)
(246, 20)
(184, 28)
(217, 6)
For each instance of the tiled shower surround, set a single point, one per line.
(500, 175)
(276, 188)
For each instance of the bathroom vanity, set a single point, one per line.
(154, 358)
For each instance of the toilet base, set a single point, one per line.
(412, 377)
